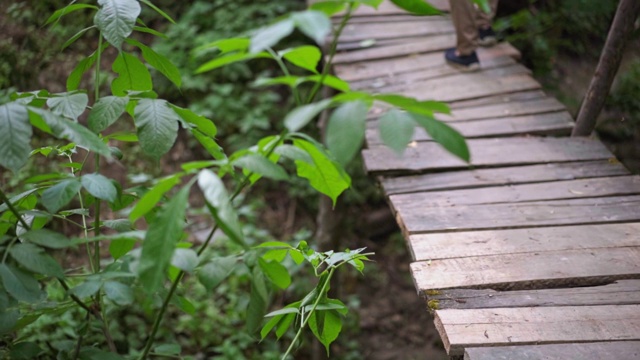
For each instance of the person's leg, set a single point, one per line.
(487, 37)
(463, 15)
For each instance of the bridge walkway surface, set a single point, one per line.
(531, 251)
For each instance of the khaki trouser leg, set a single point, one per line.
(467, 19)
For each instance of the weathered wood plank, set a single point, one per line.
(536, 326)
(429, 156)
(621, 292)
(398, 65)
(499, 99)
(507, 109)
(386, 30)
(613, 209)
(501, 176)
(555, 190)
(522, 241)
(627, 350)
(417, 46)
(559, 123)
(530, 270)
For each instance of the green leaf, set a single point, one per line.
(270, 35)
(272, 244)
(116, 19)
(8, 321)
(106, 111)
(74, 79)
(121, 247)
(68, 105)
(209, 144)
(72, 131)
(150, 31)
(328, 7)
(314, 24)
(25, 350)
(34, 259)
(396, 129)
(306, 57)
(330, 81)
(445, 135)
(133, 75)
(19, 285)
(216, 271)
(302, 115)
(326, 326)
(157, 126)
(259, 164)
(258, 301)
(75, 37)
(222, 210)
(100, 187)
(226, 45)
(206, 126)
(417, 7)
(47, 238)
(17, 200)
(323, 174)
(67, 10)
(119, 225)
(15, 136)
(159, 62)
(284, 311)
(59, 195)
(159, 243)
(345, 130)
(276, 254)
(118, 292)
(293, 153)
(156, 9)
(484, 5)
(229, 59)
(168, 349)
(277, 273)
(153, 196)
(86, 289)
(185, 259)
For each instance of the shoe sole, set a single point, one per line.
(488, 41)
(464, 68)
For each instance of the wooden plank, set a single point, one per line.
(498, 99)
(429, 156)
(615, 209)
(621, 292)
(627, 350)
(559, 123)
(529, 270)
(417, 46)
(398, 65)
(536, 326)
(387, 30)
(555, 190)
(505, 109)
(522, 241)
(469, 86)
(501, 176)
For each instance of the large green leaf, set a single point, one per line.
(302, 115)
(153, 196)
(203, 124)
(19, 285)
(306, 57)
(396, 129)
(47, 238)
(417, 7)
(116, 19)
(15, 136)
(270, 35)
(133, 75)
(100, 187)
(326, 326)
(185, 259)
(157, 126)
(34, 259)
(160, 241)
(222, 210)
(328, 7)
(59, 195)
(159, 62)
(345, 130)
(67, 10)
(73, 81)
(445, 135)
(118, 292)
(229, 59)
(215, 271)
(259, 164)
(277, 273)
(106, 111)
(324, 174)
(68, 105)
(314, 24)
(258, 301)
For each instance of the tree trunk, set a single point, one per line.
(621, 29)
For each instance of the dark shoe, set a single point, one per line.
(464, 62)
(487, 37)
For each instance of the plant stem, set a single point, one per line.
(285, 70)
(332, 53)
(15, 211)
(96, 227)
(306, 320)
(80, 338)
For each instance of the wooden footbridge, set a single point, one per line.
(531, 251)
